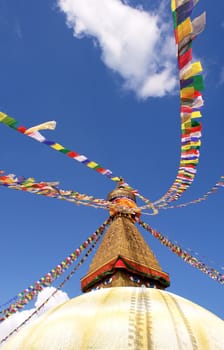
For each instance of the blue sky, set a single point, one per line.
(92, 75)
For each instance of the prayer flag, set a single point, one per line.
(51, 125)
(184, 29)
(198, 24)
(185, 58)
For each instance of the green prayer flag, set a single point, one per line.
(174, 19)
(9, 121)
(64, 150)
(198, 82)
(194, 123)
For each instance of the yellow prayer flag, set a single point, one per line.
(2, 116)
(57, 146)
(92, 164)
(196, 68)
(117, 179)
(179, 191)
(179, 181)
(189, 161)
(173, 5)
(193, 69)
(184, 29)
(198, 143)
(185, 148)
(186, 125)
(176, 3)
(187, 92)
(196, 114)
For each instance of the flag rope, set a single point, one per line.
(183, 254)
(61, 285)
(24, 297)
(191, 86)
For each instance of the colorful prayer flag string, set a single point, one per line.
(183, 254)
(50, 189)
(191, 85)
(35, 134)
(213, 190)
(30, 293)
(61, 285)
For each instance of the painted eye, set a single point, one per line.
(108, 281)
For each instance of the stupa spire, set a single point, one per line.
(123, 257)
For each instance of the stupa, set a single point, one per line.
(124, 305)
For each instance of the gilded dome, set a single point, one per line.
(123, 318)
(120, 192)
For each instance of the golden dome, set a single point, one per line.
(123, 318)
(120, 192)
(124, 199)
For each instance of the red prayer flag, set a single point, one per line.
(186, 109)
(185, 58)
(21, 129)
(72, 154)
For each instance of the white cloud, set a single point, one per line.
(134, 43)
(15, 320)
